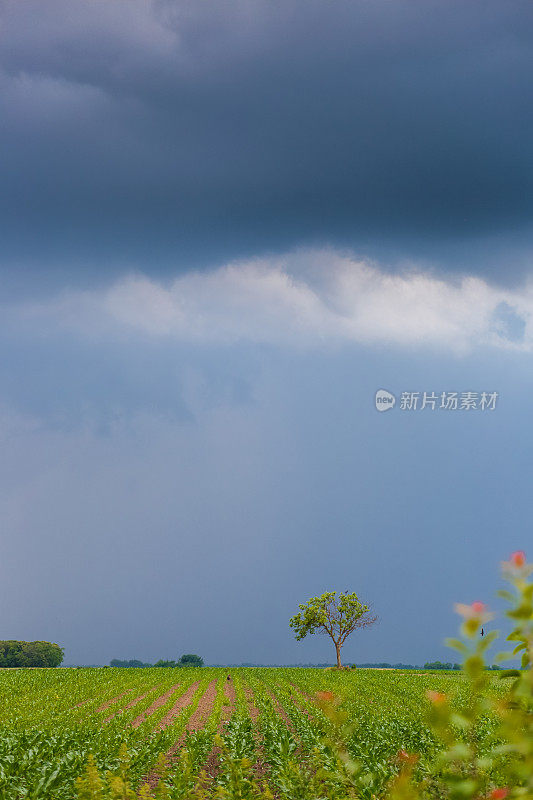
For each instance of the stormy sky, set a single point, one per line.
(223, 227)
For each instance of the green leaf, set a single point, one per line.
(457, 644)
(460, 721)
(510, 673)
(504, 656)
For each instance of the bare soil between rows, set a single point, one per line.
(196, 721)
(158, 702)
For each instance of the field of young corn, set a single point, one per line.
(293, 734)
(262, 728)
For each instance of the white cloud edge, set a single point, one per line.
(303, 299)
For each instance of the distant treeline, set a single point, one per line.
(30, 654)
(427, 665)
(188, 660)
(326, 665)
(449, 665)
(248, 664)
(386, 665)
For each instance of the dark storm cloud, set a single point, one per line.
(176, 133)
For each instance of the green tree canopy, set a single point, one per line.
(30, 654)
(191, 660)
(337, 614)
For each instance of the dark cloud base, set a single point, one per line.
(173, 135)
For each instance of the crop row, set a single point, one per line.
(193, 727)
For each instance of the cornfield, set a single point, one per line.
(283, 733)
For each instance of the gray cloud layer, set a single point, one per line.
(171, 133)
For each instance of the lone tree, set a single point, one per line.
(338, 614)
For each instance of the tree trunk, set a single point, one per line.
(338, 649)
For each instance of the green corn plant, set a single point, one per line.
(238, 781)
(91, 786)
